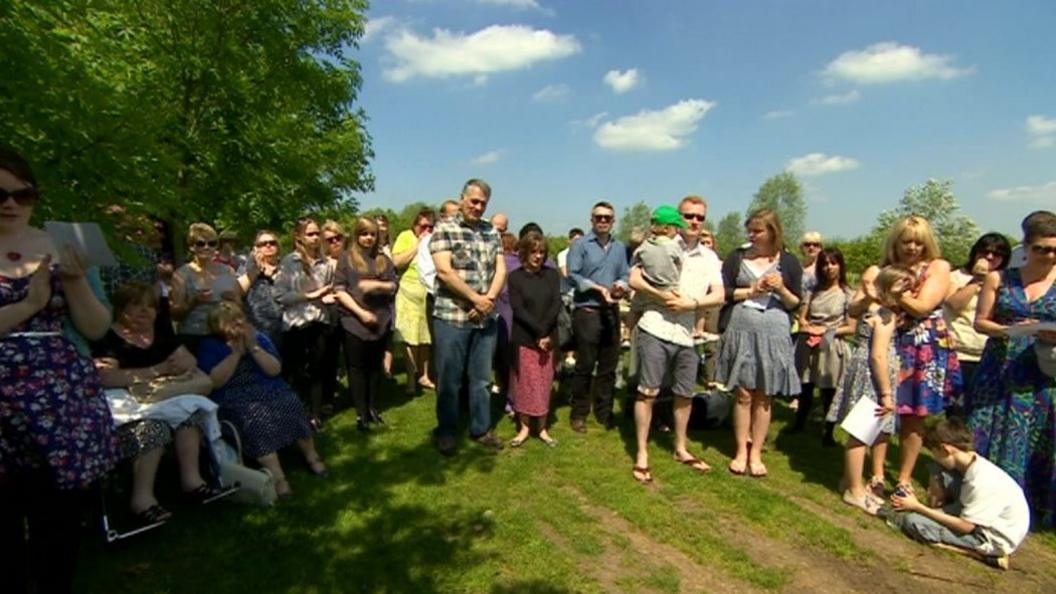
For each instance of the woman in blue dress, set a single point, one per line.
(1012, 410)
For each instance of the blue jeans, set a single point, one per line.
(463, 351)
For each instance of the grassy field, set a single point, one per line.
(395, 516)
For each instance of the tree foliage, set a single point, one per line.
(635, 216)
(783, 194)
(730, 233)
(241, 113)
(934, 200)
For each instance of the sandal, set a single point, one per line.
(516, 442)
(550, 443)
(737, 469)
(154, 514)
(642, 474)
(695, 463)
(757, 470)
(426, 384)
(284, 492)
(203, 494)
(876, 487)
(867, 503)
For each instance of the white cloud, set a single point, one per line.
(1042, 130)
(662, 130)
(497, 48)
(1039, 125)
(778, 114)
(375, 26)
(1045, 193)
(551, 93)
(621, 82)
(820, 164)
(488, 158)
(889, 62)
(592, 121)
(840, 99)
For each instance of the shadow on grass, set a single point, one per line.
(528, 587)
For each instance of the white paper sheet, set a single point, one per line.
(86, 237)
(862, 423)
(1031, 329)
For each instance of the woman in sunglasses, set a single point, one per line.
(304, 290)
(199, 285)
(1013, 412)
(257, 281)
(55, 426)
(412, 322)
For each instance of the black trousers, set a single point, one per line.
(303, 363)
(364, 359)
(40, 534)
(806, 403)
(597, 332)
(333, 338)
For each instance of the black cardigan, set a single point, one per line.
(791, 275)
(535, 298)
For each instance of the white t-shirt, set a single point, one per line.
(562, 259)
(701, 274)
(424, 261)
(1018, 257)
(993, 501)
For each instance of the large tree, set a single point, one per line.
(934, 200)
(783, 194)
(730, 234)
(242, 113)
(635, 216)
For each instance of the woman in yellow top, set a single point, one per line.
(412, 321)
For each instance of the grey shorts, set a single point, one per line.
(659, 360)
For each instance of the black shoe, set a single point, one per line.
(579, 425)
(362, 426)
(376, 418)
(446, 446)
(489, 441)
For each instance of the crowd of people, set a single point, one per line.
(261, 335)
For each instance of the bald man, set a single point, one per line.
(500, 222)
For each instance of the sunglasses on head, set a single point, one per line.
(201, 243)
(1043, 250)
(335, 239)
(602, 218)
(22, 196)
(268, 243)
(694, 217)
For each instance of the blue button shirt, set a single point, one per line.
(590, 263)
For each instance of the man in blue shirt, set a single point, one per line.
(597, 268)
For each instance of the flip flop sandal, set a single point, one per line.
(695, 463)
(758, 475)
(516, 442)
(646, 476)
(737, 471)
(203, 494)
(550, 443)
(154, 514)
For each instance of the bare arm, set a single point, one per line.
(954, 523)
(958, 298)
(499, 280)
(932, 293)
(223, 371)
(89, 315)
(865, 294)
(984, 311)
(268, 363)
(403, 259)
(883, 333)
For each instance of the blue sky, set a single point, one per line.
(561, 104)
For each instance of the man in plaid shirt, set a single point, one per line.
(470, 274)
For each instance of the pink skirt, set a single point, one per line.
(531, 378)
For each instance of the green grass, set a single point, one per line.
(395, 516)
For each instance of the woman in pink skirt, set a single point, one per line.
(535, 297)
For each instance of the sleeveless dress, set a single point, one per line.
(1013, 416)
(823, 365)
(930, 375)
(857, 381)
(412, 324)
(756, 351)
(53, 415)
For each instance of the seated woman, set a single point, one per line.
(244, 366)
(141, 346)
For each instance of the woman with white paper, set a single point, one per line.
(871, 376)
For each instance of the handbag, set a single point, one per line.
(255, 487)
(193, 381)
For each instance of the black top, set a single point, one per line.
(791, 275)
(346, 279)
(130, 356)
(536, 300)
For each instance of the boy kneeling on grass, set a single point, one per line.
(978, 509)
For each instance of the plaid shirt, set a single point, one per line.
(474, 250)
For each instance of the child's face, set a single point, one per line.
(668, 230)
(943, 457)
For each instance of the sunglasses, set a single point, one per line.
(268, 243)
(335, 239)
(811, 244)
(694, 217)
(426, 226)
(1044, 250)
(602, 218)
(22, 196)
(202, 244)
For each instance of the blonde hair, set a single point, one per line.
(811, 237)
(355, 253)
(223, 316)
(911, 227)
(334, 227)
(772, 222)
(890, 277)
(202, 231)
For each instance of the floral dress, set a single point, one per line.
(1013, 415)
(53, 416)
(930, 375)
